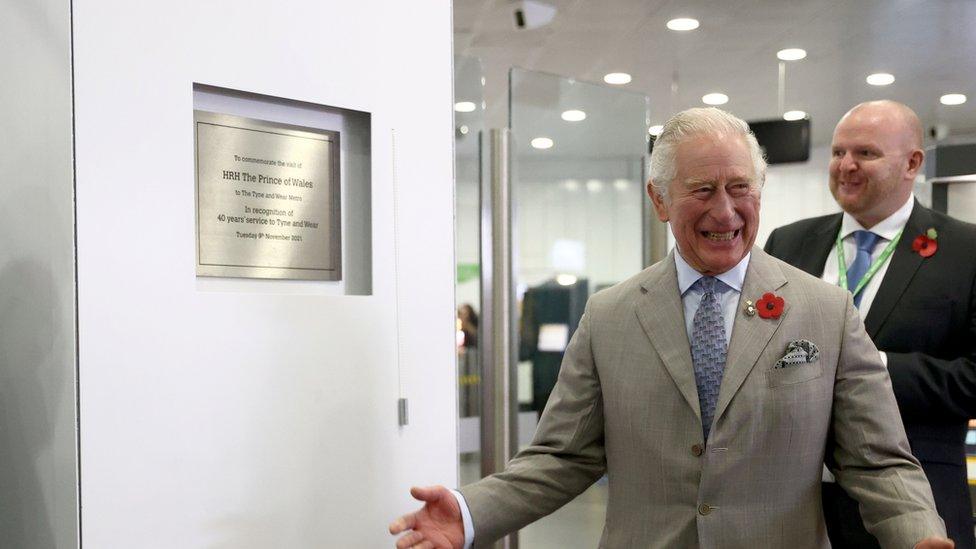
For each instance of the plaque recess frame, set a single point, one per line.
(246, 225)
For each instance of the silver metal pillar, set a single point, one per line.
(499, 398)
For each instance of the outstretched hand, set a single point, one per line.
(437, 525)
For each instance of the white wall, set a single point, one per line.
(38, 468)
(264, 416)
(794, 192)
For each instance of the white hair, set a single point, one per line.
(693, 123)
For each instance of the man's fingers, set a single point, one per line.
(410, 540)
(406, 522)
(428, 494)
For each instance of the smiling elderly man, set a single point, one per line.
(708, 388)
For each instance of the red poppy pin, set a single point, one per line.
(770, 305)
(925, 244)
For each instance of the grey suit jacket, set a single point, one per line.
(626, 404)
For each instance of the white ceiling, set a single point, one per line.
(930, 47)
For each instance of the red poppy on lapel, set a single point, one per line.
(925, 244)
(770, 305)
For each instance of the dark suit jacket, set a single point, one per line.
(924, 318)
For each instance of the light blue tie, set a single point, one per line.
(708, 349)
(865, 241)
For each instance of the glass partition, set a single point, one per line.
(468, 138)
(578, 153)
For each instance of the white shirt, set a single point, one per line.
(690, 298)
(886, 229)
(728, 295)
(466, 519)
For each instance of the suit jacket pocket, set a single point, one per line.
(794, 374)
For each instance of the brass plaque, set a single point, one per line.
(267, 199)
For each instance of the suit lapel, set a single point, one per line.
(750, 334)
(661, 315)
(812, 254)
(901, 270)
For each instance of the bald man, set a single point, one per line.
(913, 275)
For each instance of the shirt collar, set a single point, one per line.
(887, 228)
(687, 275)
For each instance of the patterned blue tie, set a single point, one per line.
(708, 349)
(865, 241)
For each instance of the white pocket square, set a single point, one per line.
(799, 351)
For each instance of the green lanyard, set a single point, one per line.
(842, 263)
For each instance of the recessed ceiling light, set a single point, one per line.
(952, 99)
(618, 78)
(791, 54)
(565, 279)
(574, 115)
(465, 106)
(715, 99)
(594, 185)
(794, 115)
(683, 24)
(571, 185)
(621, 184)
(880, 79)
(542, 143)
(655, 130)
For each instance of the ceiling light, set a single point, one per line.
(791, 54)
(542, 143)
(465, 106)
(952, 99)
(571, 185)
(533, 14)
(715, 99)
(618, 78)
(621, 184)
(594, 185)
(880, 79)
(574, 115)
(565, 279)
(683, 24)
(655, 130)
(794, 115)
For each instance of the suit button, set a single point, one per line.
(697, 450)
(704, 509)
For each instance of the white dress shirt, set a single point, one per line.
(886, 229)
(691, 296)
(466, 519)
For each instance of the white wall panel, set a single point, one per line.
(794, 192)
(263, 417)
